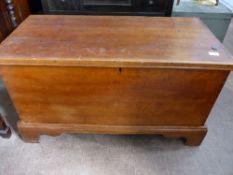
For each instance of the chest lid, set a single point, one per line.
(114, 41)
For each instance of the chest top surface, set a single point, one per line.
(113, 41)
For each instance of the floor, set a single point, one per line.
(125, 155)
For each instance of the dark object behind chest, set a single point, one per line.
(109, 7)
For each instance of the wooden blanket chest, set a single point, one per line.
(113, 75)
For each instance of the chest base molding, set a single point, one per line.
(31, 132)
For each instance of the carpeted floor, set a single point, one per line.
(124, 155)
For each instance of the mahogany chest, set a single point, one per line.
(113, 75)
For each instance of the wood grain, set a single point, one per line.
(104, 41)
(16, 9)
(108, 96)
(22, 10)
(5, 21)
